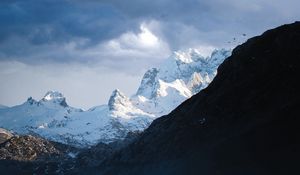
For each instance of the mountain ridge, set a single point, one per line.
(162, 89)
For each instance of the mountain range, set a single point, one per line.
(244, 122)
(161, 90)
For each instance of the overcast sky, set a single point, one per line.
(86, 49)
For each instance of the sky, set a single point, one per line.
(87, 48)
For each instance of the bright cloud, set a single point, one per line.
(147, 38)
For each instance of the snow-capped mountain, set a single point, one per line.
(162, 89)
(52, 118)
(178, 78)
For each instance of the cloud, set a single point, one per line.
(130, 49)
(116, 39)
(143, 47)
(34, 30)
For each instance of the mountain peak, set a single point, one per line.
(116, 92)
(147, 83)
(31, 101)
(50, 95)
(188, 56)
(55, 97)
(117, 98)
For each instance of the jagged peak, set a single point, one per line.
(181, 56)
(190, 66)
(31, 101)
(116, 93)
(150, 72)
(147, 81)
(188, 56)
(51, 95)
(117, 98)
(55, 97)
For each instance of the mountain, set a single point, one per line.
(245, 122)
(177, 79)
(52, 118)
(162, 89)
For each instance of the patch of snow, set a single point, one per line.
(72, 155)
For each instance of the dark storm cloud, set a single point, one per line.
(57, 21)
(213, 21)
(26, 24)
(36, 29)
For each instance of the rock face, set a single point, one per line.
(29, 154)
(27, 148)
(245, 122)
(4, 135)
(55, 97)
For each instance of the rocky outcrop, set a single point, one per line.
(4, 135)
(29, 154)
(27, 148)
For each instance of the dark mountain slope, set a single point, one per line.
(245, 122)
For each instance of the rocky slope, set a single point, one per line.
(27, 154)
(161, 90)
(31, 148)
(245, 122)
(27, 148)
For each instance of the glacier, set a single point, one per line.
(162, 89)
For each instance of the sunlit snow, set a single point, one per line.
(162, 89)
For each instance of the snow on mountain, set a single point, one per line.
(53, 119)
(33, 116)
(55, 97)
(162, 89)
(178, 78)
